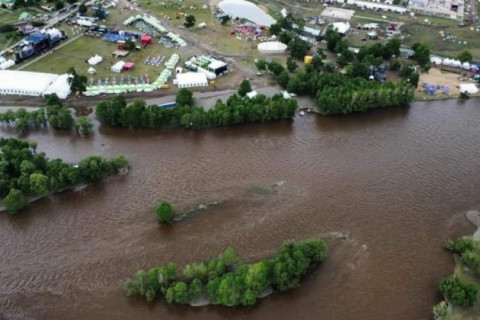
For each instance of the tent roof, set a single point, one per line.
(468, 87)
(128, 65)
(146, 37)
(35, 82)
(191, 78)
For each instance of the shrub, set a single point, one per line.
(458, 292)
(460, 245)
(164, 212)
(14, 201)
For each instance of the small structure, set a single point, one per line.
(191, 79)
(470, 88)
(128, 65)
(372, 35)
(272, 47)
(341, 27)
(202, 25)
(308, 59)
(252, 94)
(7, 3)
(25, 16)
(91, 70)
(120, 53)
(96, 59)
(146, 39)
(118, 67)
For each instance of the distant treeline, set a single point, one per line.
(25, 172)
(226, 280)
(56, 114)
(337, 93)
(235, 111)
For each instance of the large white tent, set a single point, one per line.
(191, 79)
(26, 83)
(468, 88)
(272, 47)
(246, 10)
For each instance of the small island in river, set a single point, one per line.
(226, 280)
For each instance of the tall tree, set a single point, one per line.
(465, 56)
(184, 97)
(78, 83)
(244, 88)
(189, 21)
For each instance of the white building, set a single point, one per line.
(25, 83)
(191, 80)
(341, 27)
(272, 47)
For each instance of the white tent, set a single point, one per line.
(466, 66)
(468, 88)
(27, 83)
(272, 47)
(252, 94)
(95, 60)
(91, 70)
(60, 86)
(436, 60)
(191, 79)
(341, 27)
(118, 67)
(247, 10)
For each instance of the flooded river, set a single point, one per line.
(395, 182)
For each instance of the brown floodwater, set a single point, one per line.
(395, 182)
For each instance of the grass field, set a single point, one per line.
(9, 16)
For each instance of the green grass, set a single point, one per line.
(10, 16)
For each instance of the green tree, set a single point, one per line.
(184, 97)
(93, 168)
(59, 5)
(38, 183)
(178, 293)
(195, 289)
(298, 48)
(275, 29)
(82, 9)
(78, 83)
(164, 212)
(60, 118)
(244, 88)
(261, 65)
(189, 21)
(395, 65)
(130, 45)
(225, 20)
(291, 64)
(14, 201)
(283, 79)
(421, 54)
(118, 163)
(464, 56)
(458, 292)
(84, 125)
(100, 12)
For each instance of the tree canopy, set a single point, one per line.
(164, 212)
(244, 88)
(78, 83)
(189, 21)
(25, 172)
(465, 56)
(226, 280)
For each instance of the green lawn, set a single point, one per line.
(9, 16)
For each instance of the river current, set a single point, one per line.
(394, 183)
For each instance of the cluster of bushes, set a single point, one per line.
(341, 94)
(226, 280)
(58, 116)
(465, 247)
(25, 172)
(459, 293)
(235, 111)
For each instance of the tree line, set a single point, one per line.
(235, 111)
(457, 291)
(26, 172)
(55, 113)
(337, 93)
(226, 280)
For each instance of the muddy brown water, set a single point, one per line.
(396, 182)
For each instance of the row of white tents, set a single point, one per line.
(172, 62)
(451, 63)
(154, 23)
(141, 87)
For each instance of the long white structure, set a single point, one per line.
(191, 79)
(246, 10)
(26, 83)
(272, 47)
